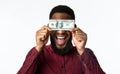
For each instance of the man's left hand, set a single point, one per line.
(79, 38)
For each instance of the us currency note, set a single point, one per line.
(61, 24)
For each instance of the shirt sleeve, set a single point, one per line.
(90, 63)
(31, 62)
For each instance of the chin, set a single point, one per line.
(62, 49)
(61, 46)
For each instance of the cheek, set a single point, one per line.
(69, 35)
(53, 35)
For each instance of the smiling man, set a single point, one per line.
(61, 57)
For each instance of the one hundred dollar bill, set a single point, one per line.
(61, 24)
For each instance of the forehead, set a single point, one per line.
(59, 15)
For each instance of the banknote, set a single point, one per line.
(61, 24)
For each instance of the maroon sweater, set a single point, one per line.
(48, 62)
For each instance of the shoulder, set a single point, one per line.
(48, 48)
(88, 50)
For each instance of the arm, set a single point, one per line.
(32, 61)
(35, 56)
(90, 62)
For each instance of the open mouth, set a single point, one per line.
(60, 40)
(60, 37)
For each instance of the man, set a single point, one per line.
(61, 57)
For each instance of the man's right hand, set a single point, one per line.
(42, 37)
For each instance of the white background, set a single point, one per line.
(20, 19)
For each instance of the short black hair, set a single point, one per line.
(62, 9)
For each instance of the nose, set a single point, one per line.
(60, 32)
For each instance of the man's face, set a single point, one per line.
(61, 37)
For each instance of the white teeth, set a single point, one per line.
(59, 37)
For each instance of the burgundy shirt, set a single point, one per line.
(48, 62)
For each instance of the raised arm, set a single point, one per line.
(32, 61)
(35, 56)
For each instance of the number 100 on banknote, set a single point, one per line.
(61, 24)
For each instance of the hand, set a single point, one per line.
(42, 37)
(79, 39)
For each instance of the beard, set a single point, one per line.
(61, 51)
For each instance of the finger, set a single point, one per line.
(39, 38)
(47, 28)
(42, 39)
(77, 29)
(41, 34)
(74, 29)
(43, 31)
